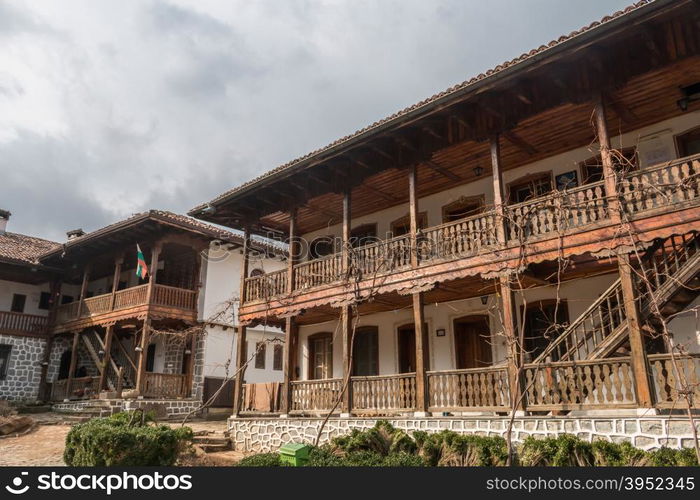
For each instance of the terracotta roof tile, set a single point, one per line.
(23, 249)
(461, 86)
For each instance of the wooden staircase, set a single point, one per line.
(95, 345)
(669, 276)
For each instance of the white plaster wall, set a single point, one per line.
(686, 328)
(33, 293)
(655, 144)
(578, 294)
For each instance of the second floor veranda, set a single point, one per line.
(653, 202)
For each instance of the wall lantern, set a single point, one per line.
(187, 351)
(440, 332)
(478, 170)
(138, 348)
(484, 299)
(691, 93)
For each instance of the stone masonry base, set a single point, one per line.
(164, 408)
(268, 434)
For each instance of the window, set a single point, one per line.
(403, 225)
(592, 168)
(463, 207)
(544, 322)
(18, 301)
(66, 299)
(5, 350)
(150, 357)
(363, 235)
(320, 247)
(277, 357)
(260, 349)
(320, 356)
(44, 300)
(365, 352)
(689, 142)
(532, 186)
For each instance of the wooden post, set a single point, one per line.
(637, 352)
(73, 362)
(241, 337)
(143, 355)
(55, 293)
(115, 279)
(345, 312)
(107, 358)
(290, 331)
(510, 324)
(153, 270)
(120, 382)
(83, 289)
(422, 341)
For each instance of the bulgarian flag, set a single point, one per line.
(141, 267)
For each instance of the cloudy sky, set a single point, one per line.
(112, 107)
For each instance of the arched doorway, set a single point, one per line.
(472, 338)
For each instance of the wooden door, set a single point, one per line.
(407, 348)
(472, 342)
(365, 351)
(320, 356)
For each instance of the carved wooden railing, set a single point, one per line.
(12, 322)
(165, 385)
(316, 272)
(315, 395)
(661, 186)
(265, 286)
(96, 305)
(606, 383)
(462, 238)
(131, 297)
(670, 386)
(469, 389)
(66, 312)
(384, 393)
(654, 188)
(171, 296)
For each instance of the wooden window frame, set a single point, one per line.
(277, 357)
(260, 353)
(312, 245)
(364, 330)
(406, 221)
(677, 140)
(309, 343)
(464, 201)
(363, 228)
(524, 180)
(20, 297)
(583, 168)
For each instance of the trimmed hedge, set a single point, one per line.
(125, 439)
(385, 446)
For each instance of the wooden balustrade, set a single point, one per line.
(672, 382)
(165, 385)
(469, 389)
(461, 238)
(316, 272)
(265, 286)
(660, 186)
(66, 312)
(130, 297)
(96, 305)
(12, 322)
(605, 383)
(171, 296)
(384, 393)
(315, 395)
(381, 257)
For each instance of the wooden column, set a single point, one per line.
(634, 325)
(153, 270)
(143, 354)
(83, 289)
(73, 362)
(55, 293)
(115, 278)
(107, 357)
(241, 337)
(510, 324)
(345, 311)
(290, 331)
(422, 340)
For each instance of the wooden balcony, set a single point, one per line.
(13, 323)
(657, 201)
(569, 385)
(167, 301)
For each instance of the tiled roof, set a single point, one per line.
(22, 249)
(182, 221)
(429, 101)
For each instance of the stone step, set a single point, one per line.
(213, 448)
(199, 440)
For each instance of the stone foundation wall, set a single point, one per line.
(164, 408)
(21, 382)
(198, 375)
(268, 434)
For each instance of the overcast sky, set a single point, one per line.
(108, 108)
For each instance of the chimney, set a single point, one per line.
(75, 233)
(4, 218)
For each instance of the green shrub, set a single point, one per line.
(324, 457)
(125, 439)
(563, 451)
(261, 460)
(608, 454)
(449, 449)
(667, 457)
(382, 439)
(403, 459)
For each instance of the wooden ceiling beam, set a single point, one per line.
(441, 170)
(620, 109)
(519, 142)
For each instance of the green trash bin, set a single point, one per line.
(295, 454)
